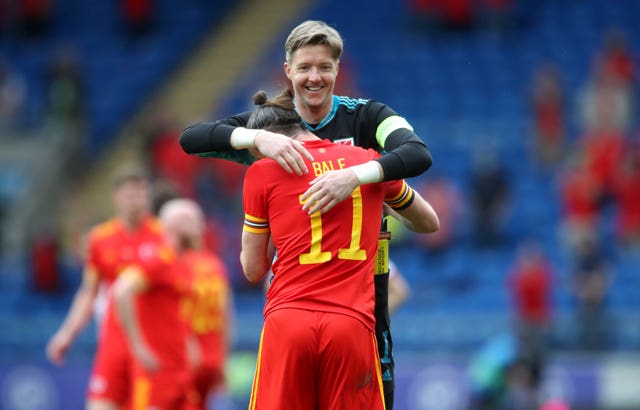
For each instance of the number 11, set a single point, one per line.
(353, 252)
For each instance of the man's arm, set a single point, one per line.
(210, 138)
(229, 139)
(79, 315)
(406, 155)
(129, 284)
(254, 257)
(418, 217)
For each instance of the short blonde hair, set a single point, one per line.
(313, 33)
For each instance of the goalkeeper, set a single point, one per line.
(312, 56)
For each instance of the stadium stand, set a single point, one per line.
(466, 93)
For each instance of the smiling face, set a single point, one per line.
(312, 71)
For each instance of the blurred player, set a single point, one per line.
(313, 51)
(155, 295)
(208, 301)
(207, 306)
(111, 246)
(318, 348)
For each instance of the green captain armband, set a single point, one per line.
(389, 125)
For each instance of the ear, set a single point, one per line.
(287, 70)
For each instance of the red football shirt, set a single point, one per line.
(112, 247)
(324, 262)
(158, 307)
(205, 304)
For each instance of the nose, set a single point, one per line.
(314, 74)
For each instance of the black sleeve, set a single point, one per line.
(406, 155)
(210, 138)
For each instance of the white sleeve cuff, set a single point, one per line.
(368, 172)
(243, 138)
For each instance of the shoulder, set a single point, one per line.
(367, 110)
(201, 255)
(261, 167)
(364, 104)
(264, 163)
(204, 263)
(104, 230)
(351, 103)
(153, 225)
(356, 151)
(152, 256)
(211, 259)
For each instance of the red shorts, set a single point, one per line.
(164, 389)
(111, 375)
(316, 360)
(204, 380)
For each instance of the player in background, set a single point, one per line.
(319, 321)
(207, 304)
(111, 246)
(312, 59)
(156, 302)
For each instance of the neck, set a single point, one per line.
(306, 136)
(313, 115)
(131, 223)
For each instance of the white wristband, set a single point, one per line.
(243, 138)
(368, 172)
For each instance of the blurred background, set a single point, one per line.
(529, 108)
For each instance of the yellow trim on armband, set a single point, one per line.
(253, 224)
(389, 125)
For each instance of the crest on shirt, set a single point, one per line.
(345, 141)
(147, 251)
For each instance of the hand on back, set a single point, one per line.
(284, 150)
